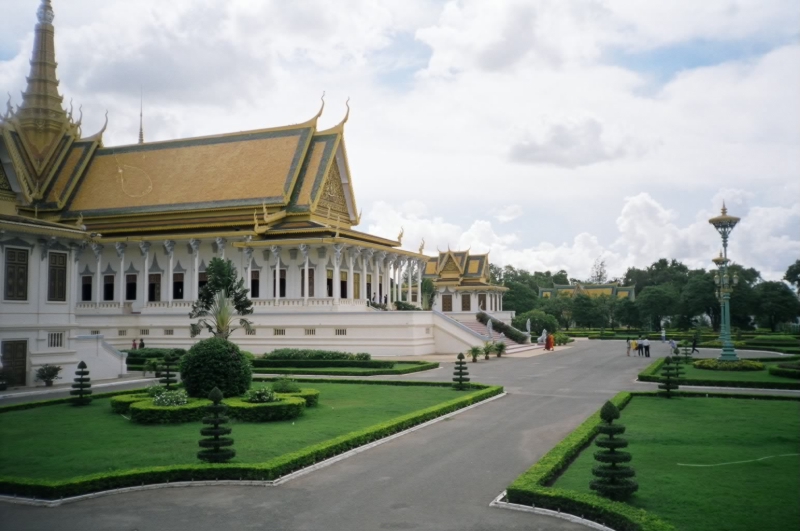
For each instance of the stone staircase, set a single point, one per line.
(512, 346)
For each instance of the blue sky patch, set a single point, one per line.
(397, 63)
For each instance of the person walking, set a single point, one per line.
(672, 347)
(646, 345)
(663, 335)
(628, 347)
(694, 345)
(133, 344)
(141, 343)
(640, 346)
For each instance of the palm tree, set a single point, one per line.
(500, 348)
(488, 348)
(220, 301)
(475, 352)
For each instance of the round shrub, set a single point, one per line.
(285, 408)
(145, 412)
(215, 362)
(285, 385)
(716, 365)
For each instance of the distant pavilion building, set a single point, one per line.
(612, 289)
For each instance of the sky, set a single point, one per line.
(547, 133)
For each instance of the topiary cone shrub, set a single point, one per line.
(168, 366)
(215, 362)
(613, 476)
(82, 388)
(670, 373)
(215, 447)
(461, 373)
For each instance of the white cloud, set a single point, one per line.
(508, 213)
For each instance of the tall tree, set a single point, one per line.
(599, 274)
(655, 303)
(220, 301)
(628, 313)
(792, 275)
(775, 304)
(698, 297)
(559, 307)
(585, 312)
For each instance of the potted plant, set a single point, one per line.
(488, 348)
(500, 348)
(475, 352)
(47, 373)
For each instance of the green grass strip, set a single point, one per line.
(399, 368)
(269, 470)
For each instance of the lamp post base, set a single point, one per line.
(728, 354)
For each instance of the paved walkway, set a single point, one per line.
(442, 477)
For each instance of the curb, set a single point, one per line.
(500, 504)
(66, 389)
(274, 483)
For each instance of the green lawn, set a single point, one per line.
(735, 497)
(737, 376)
(61, 441)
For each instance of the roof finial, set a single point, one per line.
(724, 208)
(45, 13)
(321, 106)
(141, 118)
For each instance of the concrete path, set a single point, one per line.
(442, 477)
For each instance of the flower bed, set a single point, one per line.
(717, 365)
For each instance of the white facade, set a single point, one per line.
(115, 293)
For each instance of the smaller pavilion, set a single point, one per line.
(461, 281)
(612, 289)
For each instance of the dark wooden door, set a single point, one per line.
(447, 303)
(15, 354)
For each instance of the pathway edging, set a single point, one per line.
(500, 504)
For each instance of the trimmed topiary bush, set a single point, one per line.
(670, 374)
(215, 362)
(146, 412)
(121, 404)
(613, 476)
(82, 388)
(285, 408)
(311, 396)
(461, 373)
(169, 364)
(311, 354)
(285, 385)
(216, 449)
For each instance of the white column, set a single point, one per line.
(351, 285)
(97, 249)
(337, 262)
(169, 247)
(408, 286)
(377, 277)
(221, 247)
(276, 254)
(75, 252)
(248, 266)
(420, 265)
(145, 248)
(195, 291)
(305, 249)
(120, 248)
(366, 261)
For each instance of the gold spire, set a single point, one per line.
(141, 118)
(41, 116)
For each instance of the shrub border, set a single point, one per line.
(268, 470)
(531, 488)
(786, 373)
(311, 396)
(651, 374)
(145, 412)
(287, 408)
(414, 366)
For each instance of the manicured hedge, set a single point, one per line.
(310, 364)
(499, 326)
(57, 401)
(121, 404)
(786, 373)
(288, 407)
(651, 374)
(311, 396)
(145, 412)
(530, 488)
(269, 470)
(310, 354)
(399, 368)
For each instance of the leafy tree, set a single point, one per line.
(559, 307)
(519, 298)
(539, 321)
(606, 311)
(585, 312)
(628, 313)
(775, 304)
(698, 297)
(613, 475)
(599, 274)
(81, 389)
(428, 293)
(561, 278)
(655, 303)
(792, 275)
(461, 373)
(216, 449)
(220, 300)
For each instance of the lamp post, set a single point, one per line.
(724, 225)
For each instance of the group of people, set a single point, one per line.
(133, 344)
(642, 346)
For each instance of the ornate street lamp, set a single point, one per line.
(724, 225)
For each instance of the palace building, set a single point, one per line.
(612, 289)
(102, 245)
